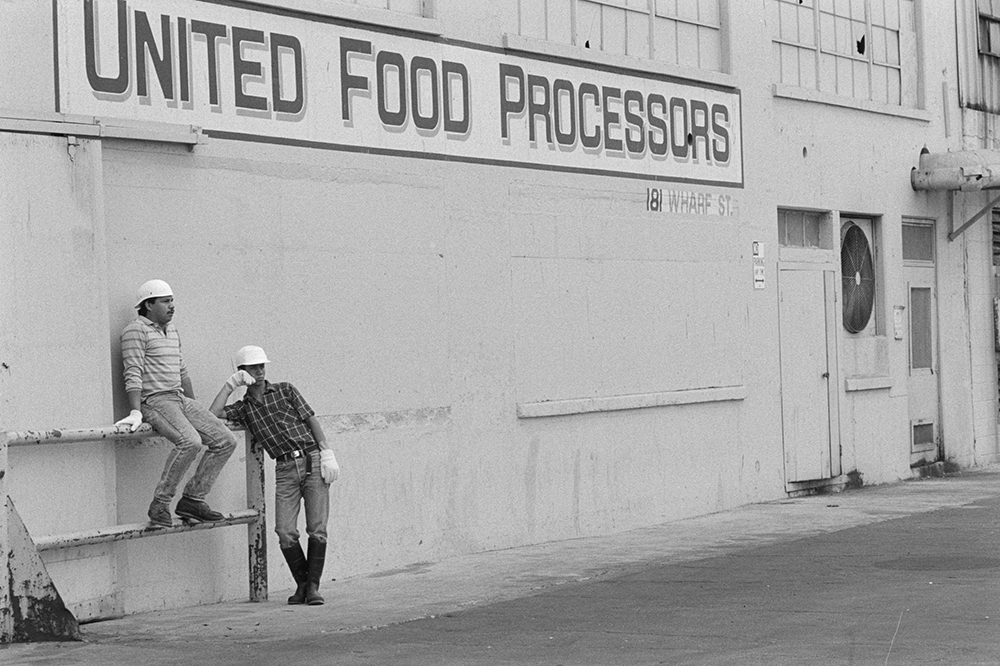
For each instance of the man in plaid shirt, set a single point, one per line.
(281, 422)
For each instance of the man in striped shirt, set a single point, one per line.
(159, 391)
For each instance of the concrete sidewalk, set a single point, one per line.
(907, 573)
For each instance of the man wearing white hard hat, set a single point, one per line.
(159, 392)
(282, 423)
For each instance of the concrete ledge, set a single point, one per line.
(528, 410)
(867, 383)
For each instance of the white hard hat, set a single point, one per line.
(250, 355)
(152, 289)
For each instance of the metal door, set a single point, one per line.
(808, 374)
(921, 338)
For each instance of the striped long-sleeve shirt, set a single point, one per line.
(152, 358)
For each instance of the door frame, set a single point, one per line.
(831, 330)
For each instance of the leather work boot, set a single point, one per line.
(159, 514)
(197, 510)
(317, 557)
(300, 568)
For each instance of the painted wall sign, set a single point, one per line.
(271, 75)
(758, 265)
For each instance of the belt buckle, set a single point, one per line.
(296, 453)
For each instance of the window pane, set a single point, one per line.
(795, 232)
(877, 8)
(532, 19)
(921, 352)
(612, 30)
(774, 18)
(559, 22)
(687, 10)
(807, 30)
(588, 25)
(879, 52)
(892, 48)
(923, 436)
(637, 30)
(807, 68)
(810, 230)
(789, 65)
(665, 40)
(845, 80)
(412, 7)
(861, 89)
(709, 49)
(827, 33)
(666, 7)
(842, 34)
(892, 14)
(687, 44)
(789, 22)
(708, 12)
(827, 74)
(894, 86)
(918, 242)
(880, 85)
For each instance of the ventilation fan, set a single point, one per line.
(858, 274)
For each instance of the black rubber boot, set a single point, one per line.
(300, 568)
(317, 557)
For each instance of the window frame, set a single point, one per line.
(988, 15)
(820, 48)
(872, 227)
(524, 38)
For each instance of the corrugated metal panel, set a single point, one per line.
(979, 75)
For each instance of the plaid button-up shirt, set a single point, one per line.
(278, 421)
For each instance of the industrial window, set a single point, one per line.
(918, 243)
(923, 437)
(921, 349)
(798, 228)
(679, 32)
(852, 48)
(989, 27)
(412, 7)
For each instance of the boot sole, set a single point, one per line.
(191, 518)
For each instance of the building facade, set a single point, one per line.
(543, 269)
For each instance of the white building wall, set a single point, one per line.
(420, 304)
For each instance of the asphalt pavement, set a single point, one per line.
(905, 574)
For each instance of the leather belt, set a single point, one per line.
(298, 453)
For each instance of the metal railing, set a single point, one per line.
(254, 517)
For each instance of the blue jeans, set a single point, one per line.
(187, 424)
(291, 486)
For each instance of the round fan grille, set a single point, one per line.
(858, 274)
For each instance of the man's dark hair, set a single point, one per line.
(144, 306)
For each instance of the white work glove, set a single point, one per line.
(134, 420)
(239, 378)
(328, 466)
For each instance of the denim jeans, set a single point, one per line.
(188, 425)
(291, 486)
